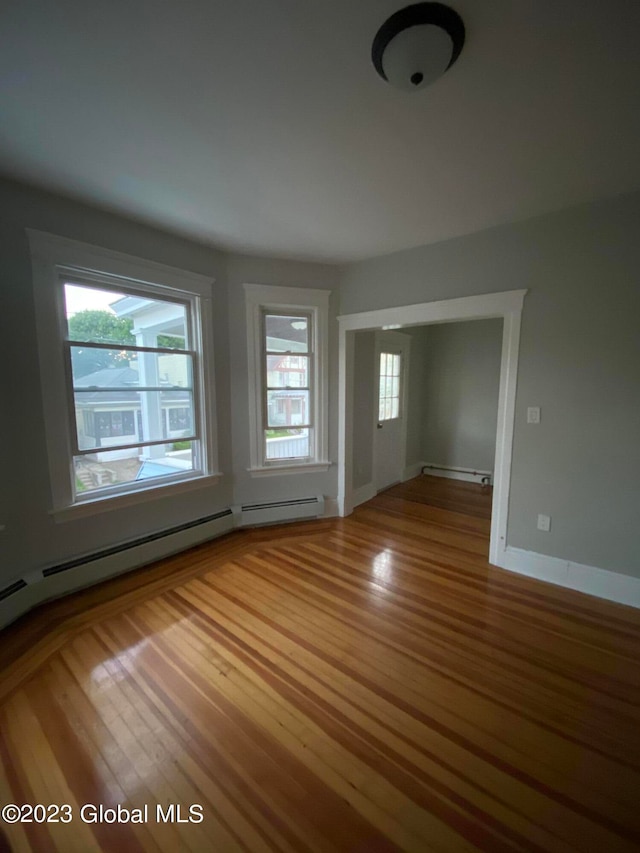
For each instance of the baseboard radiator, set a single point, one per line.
(469, 475)
(273, 512)
(23, 594)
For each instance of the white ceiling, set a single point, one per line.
(260, 125)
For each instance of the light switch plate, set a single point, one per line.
(533, 415)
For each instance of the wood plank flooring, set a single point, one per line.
(361, 684)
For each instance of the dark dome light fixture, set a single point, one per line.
(417, 44)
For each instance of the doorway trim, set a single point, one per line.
(508, 306)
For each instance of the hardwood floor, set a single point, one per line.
(361, 684)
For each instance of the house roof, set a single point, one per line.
(263, 127)
(124, 378)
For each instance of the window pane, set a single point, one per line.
(287, 444)
(287, 408)
(121, 368)
(286, 333)
(118, 467)
(291, 370)
(180, 420)
(105, 316)
(122, 417)
(395, 411)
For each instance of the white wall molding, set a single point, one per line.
(92, 570)
(602, 583)
(363, 494)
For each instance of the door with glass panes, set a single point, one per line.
(392, 355)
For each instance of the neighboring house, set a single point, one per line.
(101, 415)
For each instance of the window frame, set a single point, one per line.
(314, 303)
(58, 259)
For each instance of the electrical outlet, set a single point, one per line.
(533, 415)
(544, 523)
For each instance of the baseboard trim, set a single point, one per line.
(454, 473)
(602, 583)
(51, 583)
(363, 494)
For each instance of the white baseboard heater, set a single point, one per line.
(271, 512)
(469, 475)
(39, 586)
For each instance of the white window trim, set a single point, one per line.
(50, 253)
(260, 298)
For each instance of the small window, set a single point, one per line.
(389, 397)
(288, 386)
(288, 367)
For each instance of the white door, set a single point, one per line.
(390, 427)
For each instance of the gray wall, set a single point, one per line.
(461, 365)
(31, 538)
(242, 269)
(579, 361)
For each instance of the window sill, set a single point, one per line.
(292, 468)
(107, 503)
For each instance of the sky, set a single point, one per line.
(88, 299)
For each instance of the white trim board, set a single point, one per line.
(91, 570)
(612, 586)
(507, 305)
(44, 588)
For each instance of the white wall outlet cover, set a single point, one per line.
(544, 523)
(533, 415)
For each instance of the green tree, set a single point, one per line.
(100, 327)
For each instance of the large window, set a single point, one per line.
(126, 373)
(287, 330)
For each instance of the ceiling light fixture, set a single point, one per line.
(417, 44)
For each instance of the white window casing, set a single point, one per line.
(263, 300)
(56, 261)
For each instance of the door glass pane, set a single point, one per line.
(389, 399)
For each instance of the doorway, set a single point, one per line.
(507, 305)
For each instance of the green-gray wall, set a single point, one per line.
(579, 361)
(461, 376)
